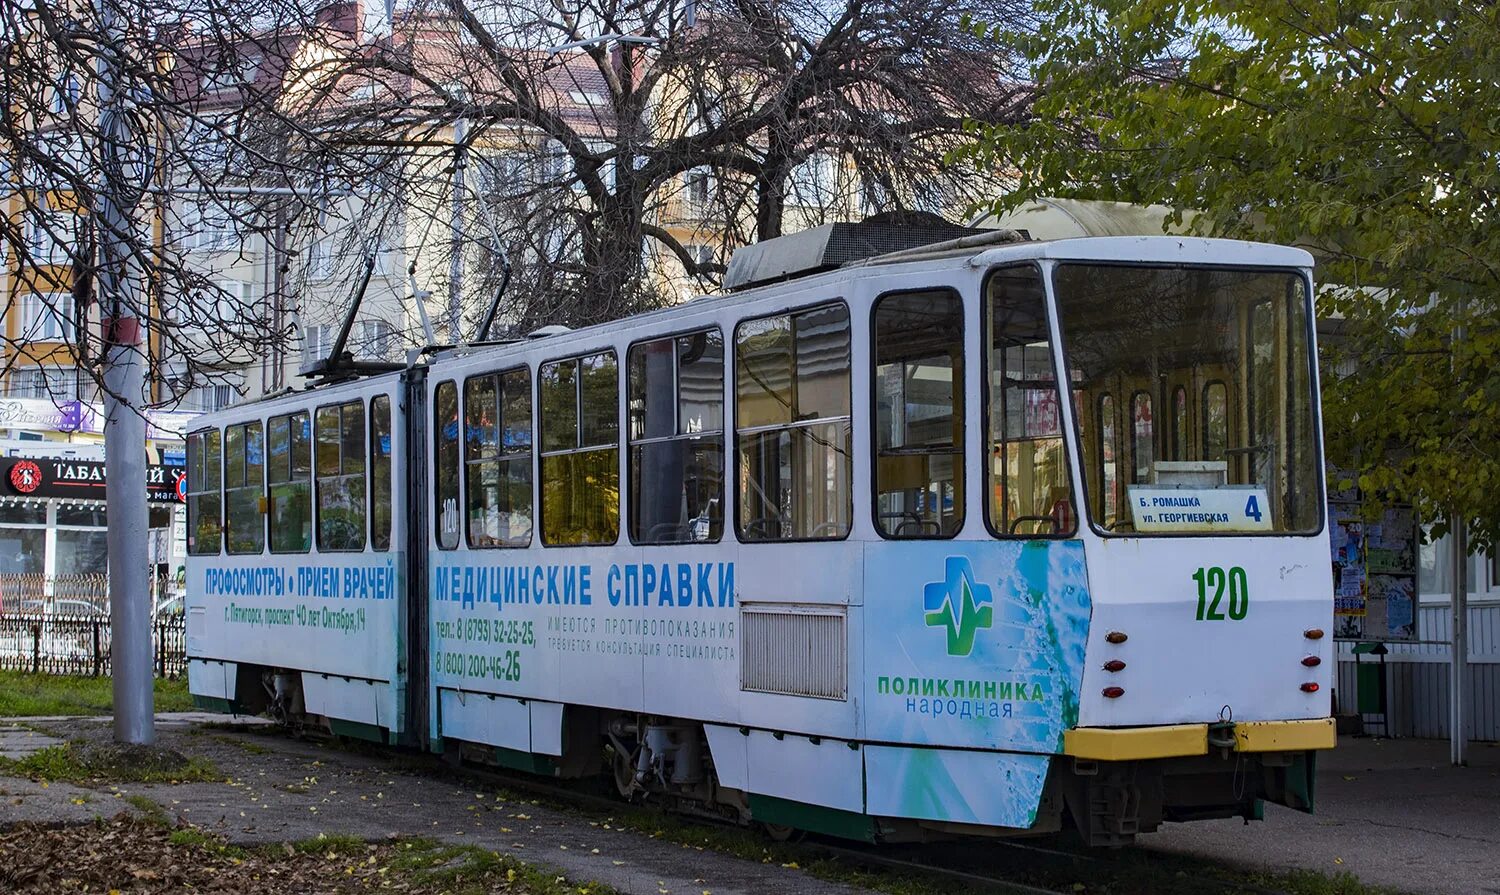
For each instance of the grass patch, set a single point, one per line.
(251, 747)
(149, 809)
(326, 844)
(111, 763)
(23, 695)
(471, 870)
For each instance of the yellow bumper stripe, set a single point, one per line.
(1284, 736)
(1180, 740)
(1135, 743)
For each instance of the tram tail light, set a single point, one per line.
(1310, 687)
(1313, 633)
(1114, 665)
(1116, 637)
(1312, 661)
(1117, 692)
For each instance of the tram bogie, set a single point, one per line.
(836, 553)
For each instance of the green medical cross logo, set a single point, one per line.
(959, 603)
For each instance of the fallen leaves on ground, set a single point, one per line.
(131, 856)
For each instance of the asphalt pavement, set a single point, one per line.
(1391, 812)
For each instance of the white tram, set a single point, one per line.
(831, 551)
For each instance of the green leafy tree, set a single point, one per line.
(1365, 131)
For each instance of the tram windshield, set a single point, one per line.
(1193, 391)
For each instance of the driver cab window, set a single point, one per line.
(1027, 470)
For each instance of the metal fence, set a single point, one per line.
(57, 643)
(17, 589)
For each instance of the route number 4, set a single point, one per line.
(1212, 582)
(1252, 508)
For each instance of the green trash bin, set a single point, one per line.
(1369, 683)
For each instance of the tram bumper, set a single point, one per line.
(1122, 781)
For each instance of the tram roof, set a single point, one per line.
(1165, 249)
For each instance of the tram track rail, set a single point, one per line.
(970, 874)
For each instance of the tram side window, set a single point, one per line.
(1142, 438)
(1109, 460)
(1264, 379)
(1179, 424)
(677, 439)
(380, 472)
(289, 474)
(497, 458)
(244, 489)
(1027, 476)
(919, 412)
(204, 502)
(340, 431)
(1215, 420)
(792, 425)
(580, 450)
(446, 515)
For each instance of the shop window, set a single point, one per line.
(340, 465)
(449, 457)
(380, 472)
(497, 458)
(580, 450)
(792, 425)
(244, 489)
(1027, 475)
(677, 439)
(204, 502)
(919, 414)
(289, 482)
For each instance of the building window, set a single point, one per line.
(227, 303)
(919, 414)
(698, 185)
(580, 450)
(320, 260)
(205, 226)
(1028, 473)
(339, 431)
(380, 472)
(676, 412)
(449, 457)
(244, 489)
(66, 92)
(50, 236)
(48, 317)
(51, 383)
(317, 341)
(792, 425)
(288, 472)
(376, 339)
(204, 502)
(497, 458)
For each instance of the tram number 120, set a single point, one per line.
(1212, 582)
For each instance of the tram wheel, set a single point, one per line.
(624, 774)
(783, 833)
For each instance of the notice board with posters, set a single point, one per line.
(1374, 569)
